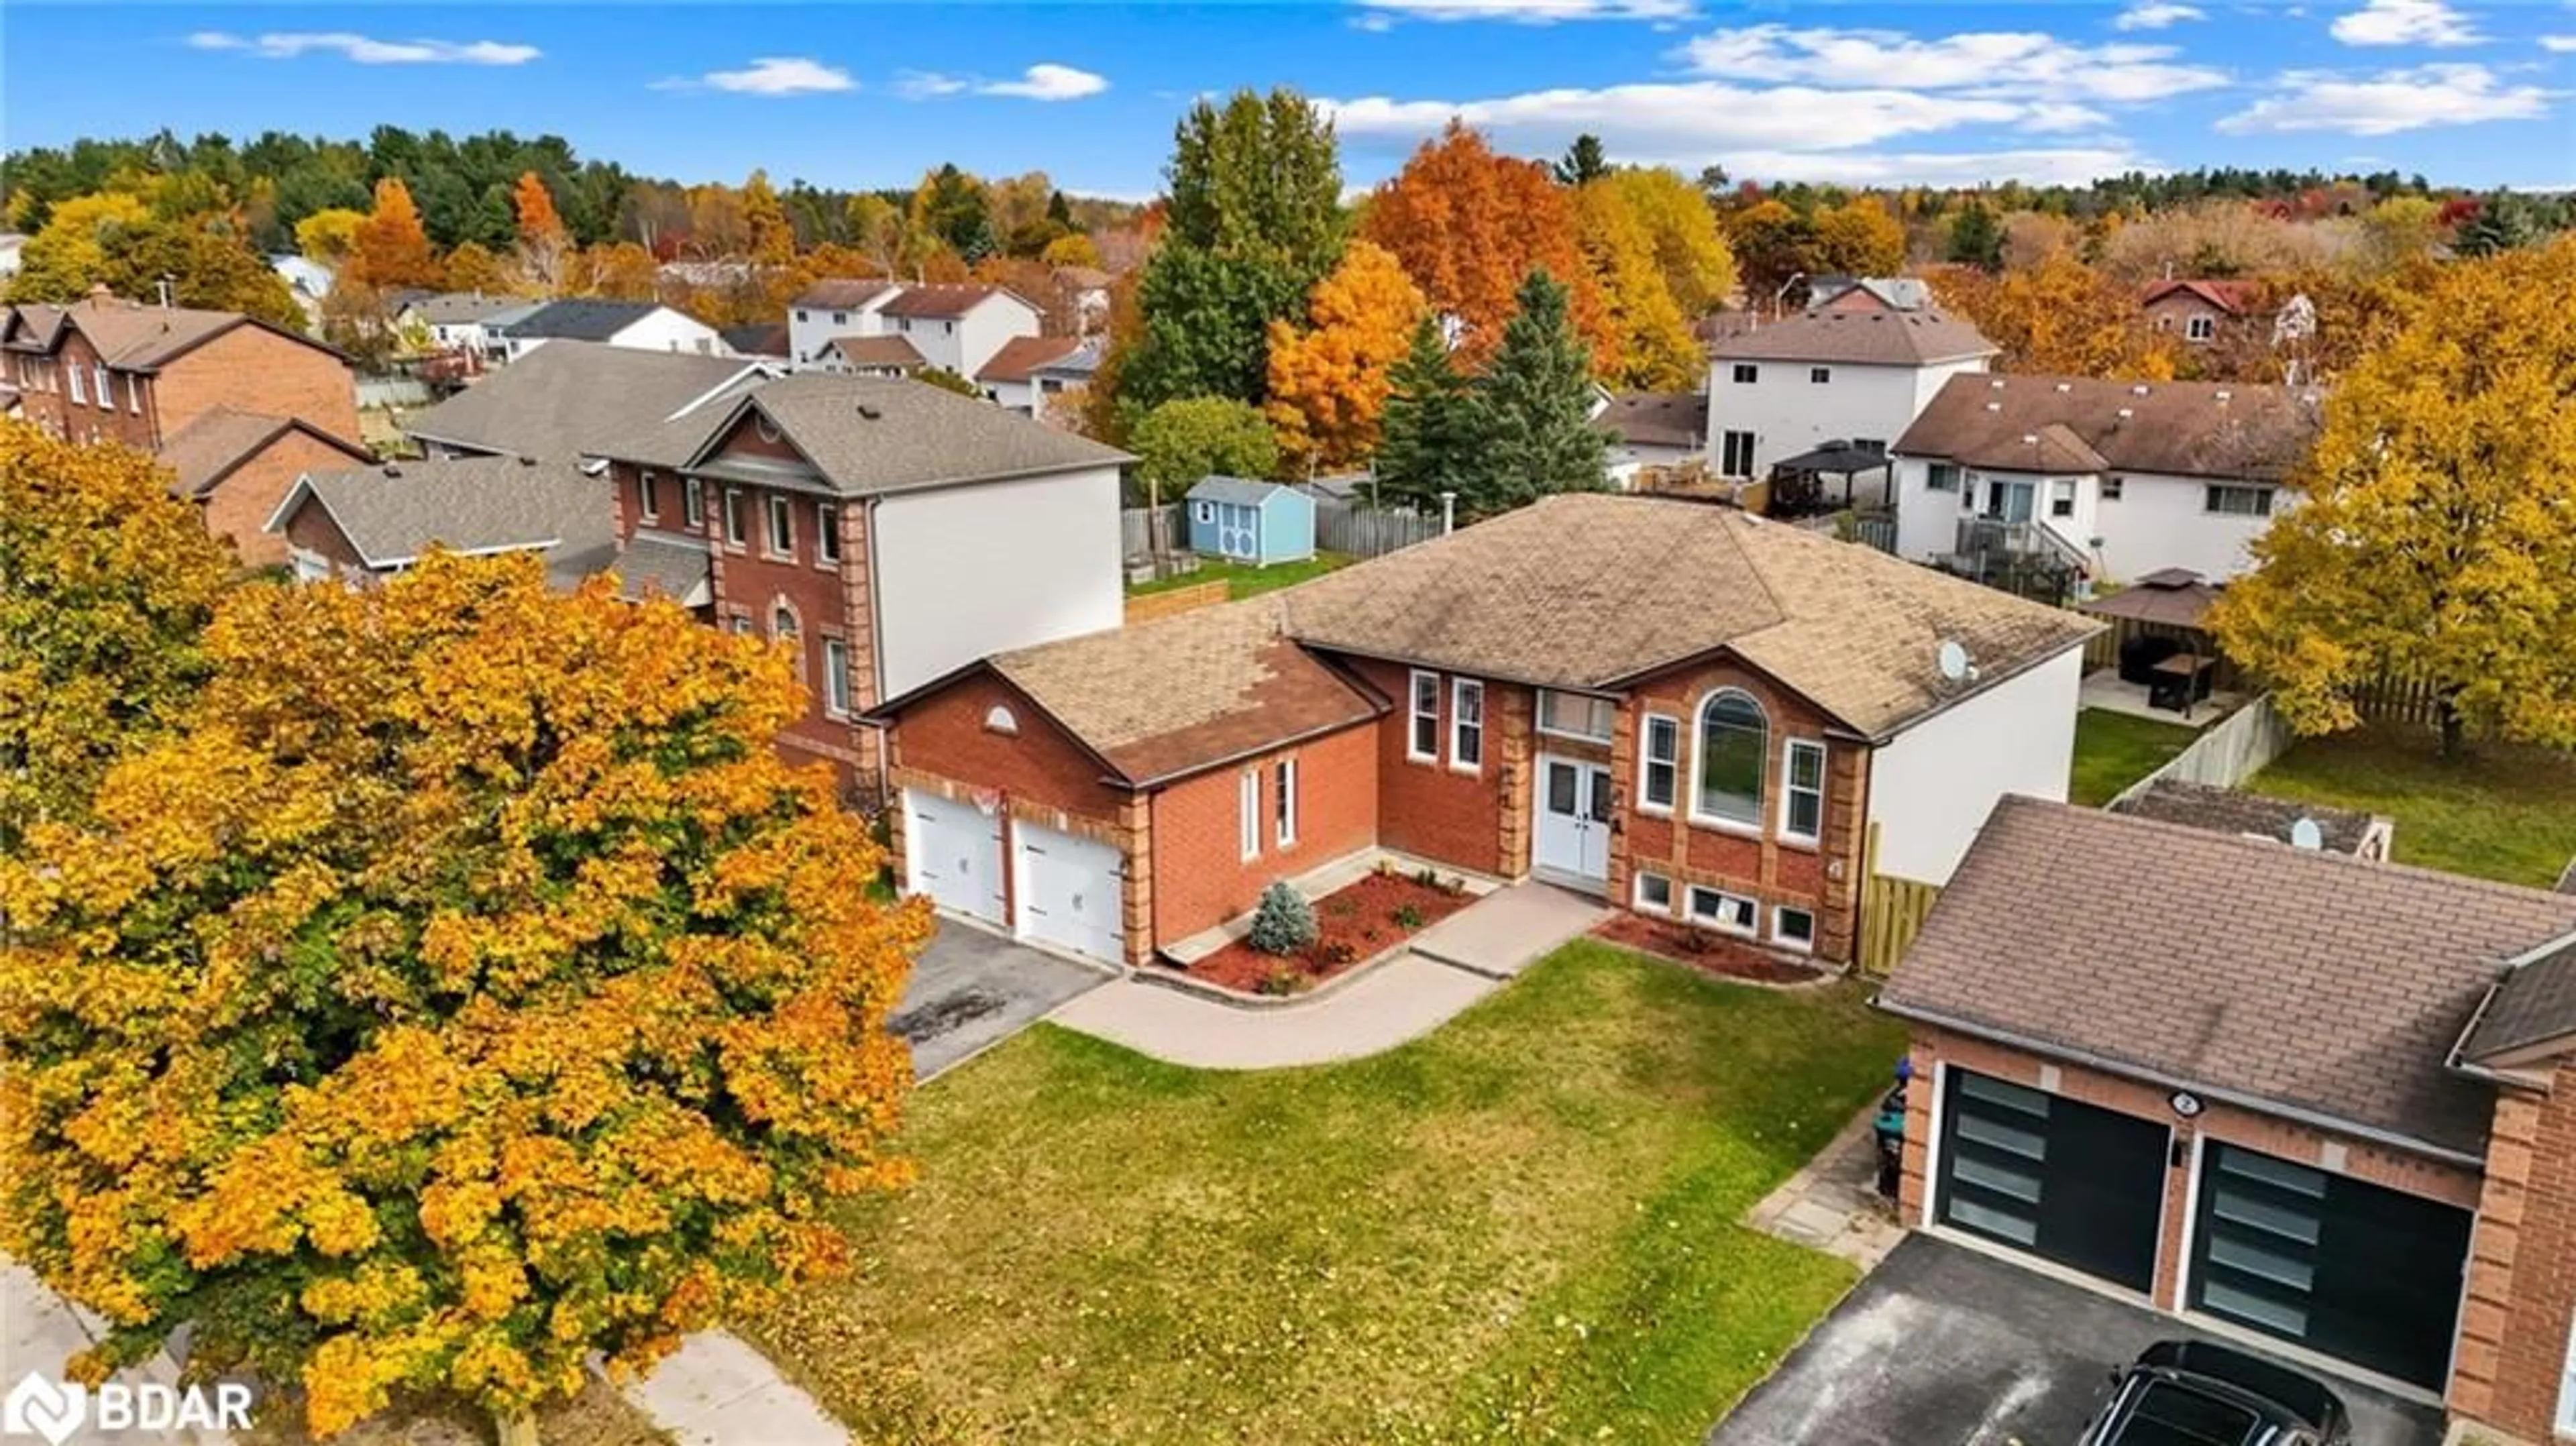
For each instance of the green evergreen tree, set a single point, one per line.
(1583, 163)
(1427, 441)
(1263, 174)
(1205, 327)
(1533, 406)
(1976, 239)
(2503, 222)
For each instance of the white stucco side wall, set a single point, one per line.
(1931, 787)
(962, 572)
(987, 326)
(2157, 521)
(664, 329)
(1789, 412)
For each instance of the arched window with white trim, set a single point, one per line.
(1734, 744)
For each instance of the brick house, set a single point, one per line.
(2323, 1102)
(571, 399)
(888, 530)
(109, 370)
(2198, 311)
(238, 466)
(363, 524)
(1683, 709)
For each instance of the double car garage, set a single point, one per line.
(2339, 1266)
(1042, 885)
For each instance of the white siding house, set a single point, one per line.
(1862, 377)
(1931, 786)
(635, 325)
(831, 308)
(2126, 478)
(959, 328)
(1044, 553)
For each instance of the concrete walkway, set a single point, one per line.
(1479, 947)
(39, 1331)
(717, 1391)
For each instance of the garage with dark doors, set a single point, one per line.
(2325, 1106)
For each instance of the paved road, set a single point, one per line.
(971, 990)
(1943, 1346)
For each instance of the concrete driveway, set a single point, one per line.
(1943, 1346)
(971, 989)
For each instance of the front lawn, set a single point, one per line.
(2114, 750)
(2505, 812)
(1242, 579)
(1520, 1228)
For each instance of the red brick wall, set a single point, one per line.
(312, 529)
(2522, 1267)
(1428, 809)
(241, 504)
(2397, 1170)
(85, 420)
(945, 734)
(1202, 878)
(1758, 863)
(253, 369)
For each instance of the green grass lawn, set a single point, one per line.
(1243, 579)
(1519, 1228)
(2114, 750)
(2505, 812)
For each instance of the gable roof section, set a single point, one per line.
(878, 351)
(131, 336)
(393, 514)
(2234, 811)
(1862, 338)
(758, 338)
(220, 439)
(1022, 355)
(572, 399)
(2533, 1009)
(2232, 297)
(1594, 590)
(1077, 364)
(2304, 983)
(463, 308)
(584, 318)
(945, 302)
(1656, 419)
(1214, 488)
(868, 435)
(2183, 429)
(841, 292)
(1181, 694)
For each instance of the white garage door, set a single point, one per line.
(954, 854)
(1070, 891)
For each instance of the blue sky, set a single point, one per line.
(870, 95)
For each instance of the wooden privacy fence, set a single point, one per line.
(1892, 911)
(2391, 698)
(2226, 754)
(1145, 607)
(1361, 533)
(1146, 531)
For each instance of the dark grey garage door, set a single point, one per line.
(2067, 1181)
(2358, 1272)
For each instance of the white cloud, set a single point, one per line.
(2405, 22)
(2156, 15)
(366, 51)
(1048, 82)
(1534, 12)
(2559, 44)
(771, 75)
(1038, 82)
(1997, 62)
(2074, 166)
(2389, 102)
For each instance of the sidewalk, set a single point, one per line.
(717, 1391)
(39, 1330)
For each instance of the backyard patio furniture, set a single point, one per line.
(2176, 682)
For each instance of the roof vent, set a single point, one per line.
(1994, 406)
(392, 471)
(2030, 439)
(527, 461)
(2224, 394)
(2126, 413)
(2066, 386)
(1997, 384)
(2304, 834)
(2139, 390)
(869, 411)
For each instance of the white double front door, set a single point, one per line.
(1574, 806)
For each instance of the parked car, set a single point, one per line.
(2195, 1393)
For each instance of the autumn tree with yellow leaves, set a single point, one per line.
(2434, 538)
(2058, 318)
(467, 988)
(1328, 379)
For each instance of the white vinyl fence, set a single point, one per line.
(2228, 753)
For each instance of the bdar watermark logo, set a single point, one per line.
(52, 1410)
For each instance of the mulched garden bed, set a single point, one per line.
(1703, 950)
(1353, 924)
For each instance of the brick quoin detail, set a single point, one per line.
(2522, 1266)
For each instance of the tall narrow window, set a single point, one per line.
(1466, 724)
(736, 528)
(1735, 454)
(1248, 811)
(1802, 795)
(782, 628)
(693, 503)
(106, 392)
(836, 677)
(80, 397)
(1423, 744)
(827, 531)
(1283, 803)
(1734, 741)
(1660, 754)
(648, 496)
(134, 394)
(782, 525)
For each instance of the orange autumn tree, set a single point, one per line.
(2058, 318)
(470, 987)
(1470, 225)
(1328, 380)
(391, 247)
(544, 243)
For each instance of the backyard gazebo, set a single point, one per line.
(2159, 639)
(1798, 483)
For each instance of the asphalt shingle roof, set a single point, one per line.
(2303, 980)
(1861, 338)
(1022, 355)
(1656, 419)
(878, 351)
(582, 318)
(884, 434)
(133, 336)
(1235, 489)
(2233, 811)
(1591, 590)
(943, 302)
(395, 513)
(2535, 1003)
(463, 308)
(843, 292)
(573, 399)
(2184, 429)
(221, 438)
(663, 564)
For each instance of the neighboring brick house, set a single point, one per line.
(2324, 1102)
(358, 525)
(109, 370)
(1685, 709)
(237, 467)
(2198, 311)
(891, 531)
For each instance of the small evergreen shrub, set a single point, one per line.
(1285, 922)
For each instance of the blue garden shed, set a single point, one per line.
(1254, 522)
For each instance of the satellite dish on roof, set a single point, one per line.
(1953, 662)
(2304, 834)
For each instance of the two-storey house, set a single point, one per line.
(573, 399)
(1784, 388)
(835, 307)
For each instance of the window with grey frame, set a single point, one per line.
(1734, 752)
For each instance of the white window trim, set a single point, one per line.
(1798, 946)
(1248, 805)
(1646, 759)
(1789, 790)
(1699, 745)
(1637, 893)
(776, 541)
(1414, 714)
(106, 389)
(1539, 709)
(134, 393)
(80, 389)
(825, 508)
(1460, 690)
(731, 525)
(836, 680)
(1753, 911)
(2567, 1384)
(1283, 779)
(693, 502)
(648, 502)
